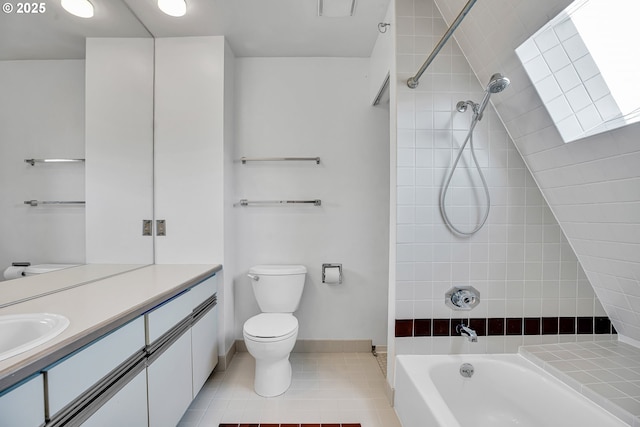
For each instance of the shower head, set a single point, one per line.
(498, 83)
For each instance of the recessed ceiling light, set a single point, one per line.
(173, 7)
(80, 8)
(336, 8)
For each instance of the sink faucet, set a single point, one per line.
(466, 331)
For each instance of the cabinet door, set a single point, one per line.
(70, 378)
(24, 405)
(127, 408)
(169, 384)
(189, 148)
(204, 345)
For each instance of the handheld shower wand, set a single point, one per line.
(497, 84)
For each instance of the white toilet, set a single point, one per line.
(271, 335)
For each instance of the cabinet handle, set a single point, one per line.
(161, 227)
(146, 227)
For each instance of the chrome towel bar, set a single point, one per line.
(32, 162)
(245, 202)
(53, 202)
(244, 160)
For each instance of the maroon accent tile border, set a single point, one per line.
(550, 325)
(532, 326)
(291, 425)
(585, 325)
(514, 326)
(479, 325)
(404, 327)
(567, 325)
(601, 325)
(440, 327)
(498, 326)
(422, 328)
(495, 326)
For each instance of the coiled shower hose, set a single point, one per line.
(445, 187)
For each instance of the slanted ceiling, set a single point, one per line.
(592, 185)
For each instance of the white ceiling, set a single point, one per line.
(253, 27)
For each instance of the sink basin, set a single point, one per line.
(22, 332)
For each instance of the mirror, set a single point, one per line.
(42, 51)
(587, 81)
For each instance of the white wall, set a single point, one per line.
(41, 116)
(592, 185)
(520, 261)
(381, 60)
(314, 107)
(119, 146)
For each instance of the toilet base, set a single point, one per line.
(272, 378)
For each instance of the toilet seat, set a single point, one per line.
(270, 327)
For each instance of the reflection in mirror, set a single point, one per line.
(583, 64)
(42, 115)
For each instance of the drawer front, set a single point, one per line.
(165, 317)
(70, 378)
(24, 405)
(204, 290)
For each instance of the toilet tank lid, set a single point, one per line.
(278, 269)
(271, 325)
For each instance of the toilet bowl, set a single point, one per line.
(269, 338)
(271, 335)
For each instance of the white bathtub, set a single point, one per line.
(505, 390)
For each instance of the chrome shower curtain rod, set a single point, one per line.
(413, 81)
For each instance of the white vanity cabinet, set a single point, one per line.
(23, 406)
(182, 342)
(140, 368)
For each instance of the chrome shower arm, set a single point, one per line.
(413, 81)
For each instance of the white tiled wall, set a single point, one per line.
(520, 261)
(592, 185)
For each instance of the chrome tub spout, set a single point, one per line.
(466, 331)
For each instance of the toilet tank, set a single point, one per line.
(278, 288)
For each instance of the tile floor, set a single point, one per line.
(326, 388)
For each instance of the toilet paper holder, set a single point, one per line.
(331, 266)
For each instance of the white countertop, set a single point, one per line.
(29, 287)
(95, 308)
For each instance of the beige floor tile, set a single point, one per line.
(326, 387)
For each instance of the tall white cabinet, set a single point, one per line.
(190, 148)
(194, 157)
(159, 130)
